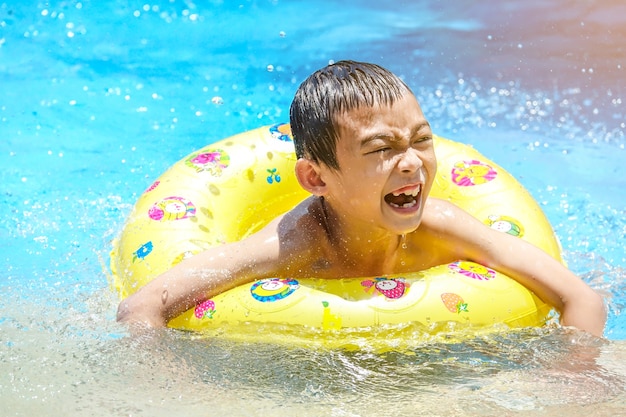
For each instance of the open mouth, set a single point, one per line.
(403, 199)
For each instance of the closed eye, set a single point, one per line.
(422, 140)
(375, 145)
(378, 150)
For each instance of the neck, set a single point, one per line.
(368, 250)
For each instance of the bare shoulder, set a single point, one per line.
(452, 231)
(303, 229)
(466, 236)
(284, 245)
(441, 215)
(291, 241)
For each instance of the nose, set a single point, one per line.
(409, 161)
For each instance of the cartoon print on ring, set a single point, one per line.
(172, 208)
(454, 303)
(391, 288)
(205, 309)
(273, 176)
(273, 289)
(505, 224)
(143, 251)
(282, 132)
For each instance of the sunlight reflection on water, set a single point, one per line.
(99, 99)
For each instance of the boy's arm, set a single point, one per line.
(577, 303)
(199, 278)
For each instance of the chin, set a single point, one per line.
(404, 229)
(406, 225)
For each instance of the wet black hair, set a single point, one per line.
(332, 90)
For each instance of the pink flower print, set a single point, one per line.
(214, 161)
(469, 173)
(473, 270)
(206, 158)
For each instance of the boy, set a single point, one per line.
(365, 153)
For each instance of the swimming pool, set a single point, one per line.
(98, 98)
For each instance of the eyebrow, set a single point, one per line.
(375, 136)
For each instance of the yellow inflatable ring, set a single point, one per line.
(197, 204)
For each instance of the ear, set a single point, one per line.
(309, 176)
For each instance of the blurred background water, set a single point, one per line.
(98, 98)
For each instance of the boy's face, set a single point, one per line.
(387, 165)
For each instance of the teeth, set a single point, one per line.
(413, 193)
(405, 205)
(408, 204)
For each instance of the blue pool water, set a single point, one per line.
(98, 98)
